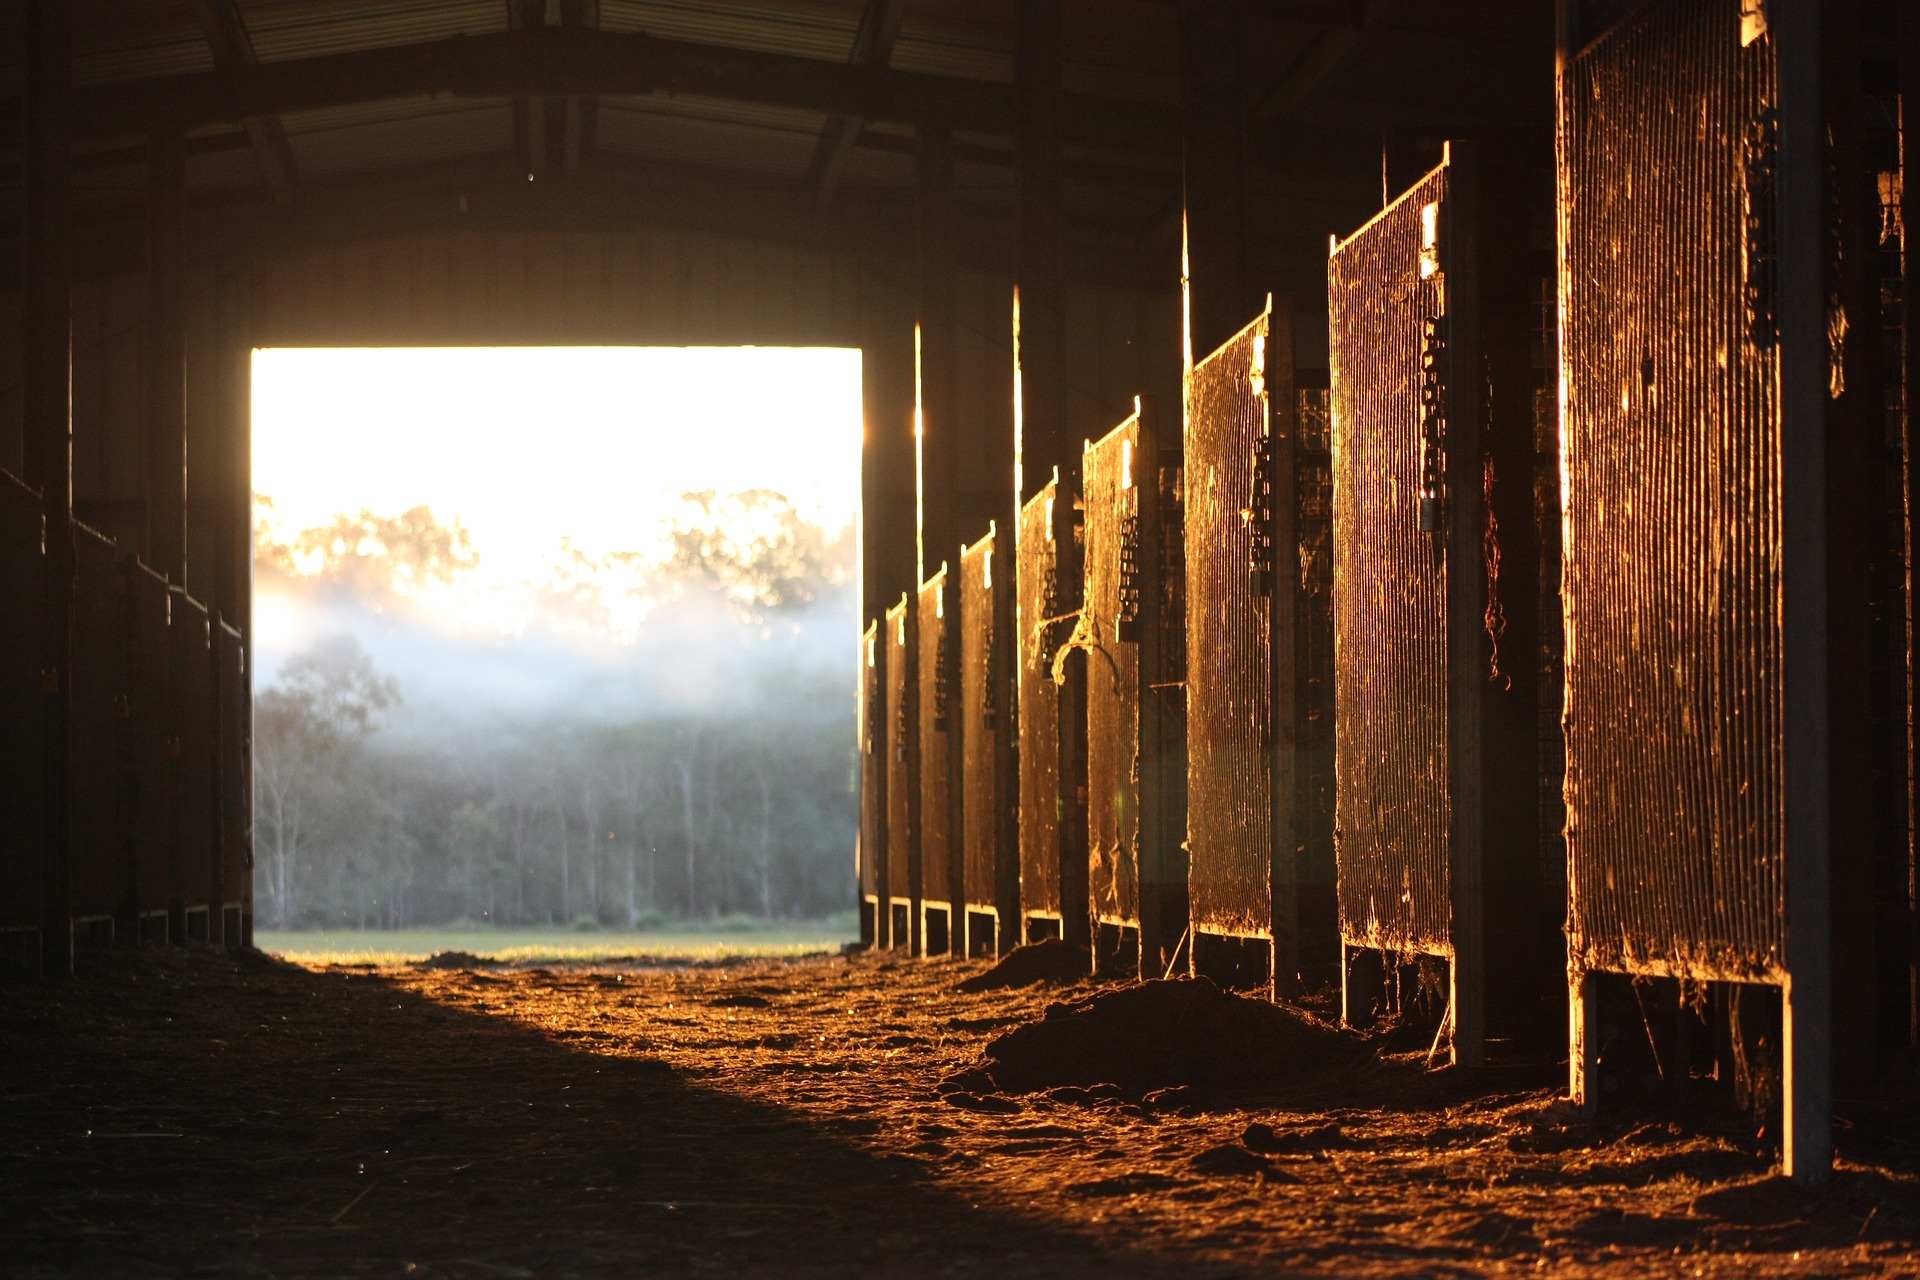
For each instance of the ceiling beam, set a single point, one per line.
(873, 42)
(232, 46)
(548, 61)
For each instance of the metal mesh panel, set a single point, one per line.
(902, 840)
(99, 873)
(1037, 596)
(873, 760)
(939, 842)
(191, 684)
(233, 750)
(22, 606)
(982, 728)
(1113, 675)
(149, 726)
(1672, 447)
(1392, 802)
(1229, 804)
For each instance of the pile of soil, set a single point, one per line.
(456, 960)
(1050, 961)
(1181, 1034)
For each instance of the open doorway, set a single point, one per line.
(551, 646)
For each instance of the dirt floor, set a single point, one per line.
(169, 1113)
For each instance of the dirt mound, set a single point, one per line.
(1168, 1035)
(456, 960)
(1050, 960)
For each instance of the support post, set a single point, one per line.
(1466, 591)
(939, 460)
(1807, 1147)
(166, 358)
(1213, 172)
(1283, 673)
(1154, 856)
(47, 421)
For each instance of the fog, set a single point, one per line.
(664, 733)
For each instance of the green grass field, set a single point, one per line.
(691, 941)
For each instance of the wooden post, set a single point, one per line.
(1909, 54)
(1155, 860)
(1213, 171)
(1466, 597)
(1566, 16)
(47, 421)
(166, 358)
(1807, 1149)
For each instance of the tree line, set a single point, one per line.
(370, 813)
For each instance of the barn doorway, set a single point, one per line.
(551, 645)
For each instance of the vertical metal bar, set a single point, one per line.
(166, 357)
(1151, 676)
(1796, 34)
(47, 419)
(1283, 635)
(1466, 597)
(1566, 40)
(1213, 167)
(1039, 325)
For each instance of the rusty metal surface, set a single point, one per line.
(902, 753)
(873, 762)
(190, 684)
(146, 769)
(1229, 678)
(984, 729)
(22, 605)
(1393, 799)
(936, 619)
(1113, 673)
(1037, 600)
(99, 872)
(1672, 447)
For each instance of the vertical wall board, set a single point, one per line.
(1108, 614)
(145, 761)
(1390, 586)
(1039, 634)
(936, 626)
(1230, 707)
(872, 849)
(903, 753)
(1675, 773)
(190, 682)
(101, 877)
(23, 585)
(233, 860)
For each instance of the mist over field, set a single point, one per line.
(658, 734)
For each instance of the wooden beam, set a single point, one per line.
(232, 46)
(873, 42)
(550, 61)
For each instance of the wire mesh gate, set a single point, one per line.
(941, 836)
(903, 781)
(872, 848)
(1683, 134)
(989, 828)
(1052, 824)
(1436, 600)
(1249, 766)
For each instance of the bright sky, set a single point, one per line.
(527, 446)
